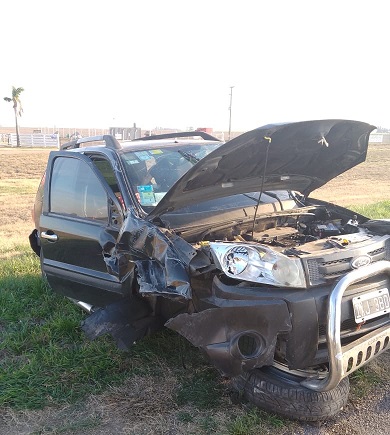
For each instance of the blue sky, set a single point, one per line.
(171, 63)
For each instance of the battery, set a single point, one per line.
(324, 229)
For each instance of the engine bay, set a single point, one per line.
(300, 231)
(307, 234)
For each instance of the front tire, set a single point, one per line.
(281, 393)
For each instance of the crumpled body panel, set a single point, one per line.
(127, 321)
(238, 335)
(161, 258)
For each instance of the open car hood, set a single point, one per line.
(300, 156)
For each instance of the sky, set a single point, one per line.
(172, 63)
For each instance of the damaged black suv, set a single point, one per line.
(220, 242)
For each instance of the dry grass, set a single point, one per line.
(22, 162)
(141, 406)
(20, 174)
(367, 183)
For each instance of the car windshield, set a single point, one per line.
(154, 171)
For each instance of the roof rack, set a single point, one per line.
(109, 140)
(202, 134)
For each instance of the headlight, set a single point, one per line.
(258, 264)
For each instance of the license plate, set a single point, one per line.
(370, 305)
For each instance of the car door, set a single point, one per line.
(79, 225)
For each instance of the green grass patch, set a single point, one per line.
(13, 250)
(208, 425)
(45, 357)
(201, 388)
(253, 421)
(379, 210)
(19, 186)
(363, 380)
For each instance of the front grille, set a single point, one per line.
(350, 328)
(332, 262)
(314, 273)
(377, 252)
(336, 264)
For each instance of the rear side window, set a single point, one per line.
(75, 190)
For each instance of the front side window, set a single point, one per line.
(75, 190)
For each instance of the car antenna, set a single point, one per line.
(267, 138)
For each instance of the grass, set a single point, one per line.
(79, 426)
(374, 211)
(252, 421)
(201, 388)
(18, 187)
(45, 360)
(45, 357)
(362, 381)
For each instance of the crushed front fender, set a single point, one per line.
(161, 258)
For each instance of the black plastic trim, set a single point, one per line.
(110, 141)
(202, 134)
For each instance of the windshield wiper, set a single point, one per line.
(189, 156)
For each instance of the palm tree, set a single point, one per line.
(17, 105)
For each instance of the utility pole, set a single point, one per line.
(230, 110)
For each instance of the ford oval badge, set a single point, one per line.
(361, 261)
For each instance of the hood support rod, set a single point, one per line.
(262, 182)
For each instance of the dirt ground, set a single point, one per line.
(145, 406)
(367, 183)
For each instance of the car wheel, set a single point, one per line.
(280, 392)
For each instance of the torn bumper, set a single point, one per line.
(242, 328)
(236, 335)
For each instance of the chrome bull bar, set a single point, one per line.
(345, 360)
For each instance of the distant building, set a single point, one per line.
(208, 130)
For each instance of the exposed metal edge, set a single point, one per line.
(340, 364)
(84, 305)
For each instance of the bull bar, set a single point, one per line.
(343, 360)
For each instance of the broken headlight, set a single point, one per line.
(258, 264)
